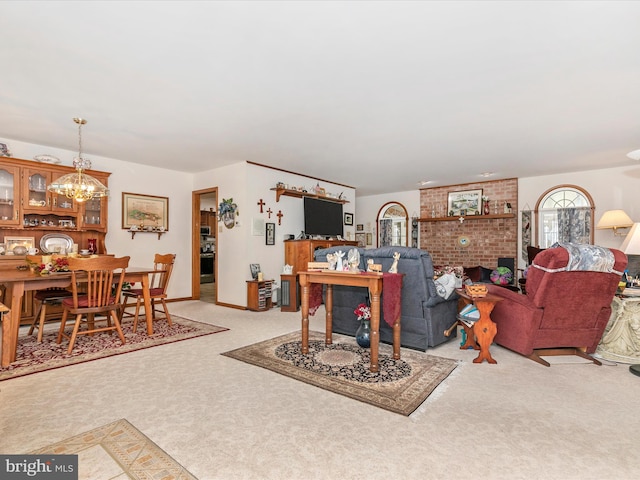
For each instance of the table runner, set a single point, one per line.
(391, 296)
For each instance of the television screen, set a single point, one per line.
(322, 217)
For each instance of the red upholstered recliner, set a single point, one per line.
(567, 304)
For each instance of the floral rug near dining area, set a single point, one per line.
(33, 357)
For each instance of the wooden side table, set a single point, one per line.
(484, 329)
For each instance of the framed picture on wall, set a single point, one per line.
(360, 227)
(361, 239)
(466, 202)
(348, 218)
(369, 239)
(147, 211)
(270, 234)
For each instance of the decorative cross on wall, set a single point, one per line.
(279, 215)
(269, 212)
(261, 203)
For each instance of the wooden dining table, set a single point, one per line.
(17, 282)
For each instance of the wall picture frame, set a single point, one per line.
(270, 234)
(360, 227)
(149, 211)
(465, 202)
(348, 218)
(361, 238)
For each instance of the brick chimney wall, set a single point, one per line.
(489, 238)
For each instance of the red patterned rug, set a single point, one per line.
(33, 357)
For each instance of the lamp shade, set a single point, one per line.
(631, 244)
(614, 219)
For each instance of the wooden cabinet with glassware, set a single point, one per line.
(32, 215)
(30, 211)
(9, 195)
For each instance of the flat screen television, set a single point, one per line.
(322, 217)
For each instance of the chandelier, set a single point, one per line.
(79, 185)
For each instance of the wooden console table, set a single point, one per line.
(484, 329)
(373, 281)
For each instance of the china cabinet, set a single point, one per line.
(28, 209)
(9, 188)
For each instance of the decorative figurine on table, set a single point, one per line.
(332, 259)
(353, 259)
(369, 265)
(339, 262)
(394, 265)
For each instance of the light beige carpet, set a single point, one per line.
(115, 450)
(33, 357)
(343, 367)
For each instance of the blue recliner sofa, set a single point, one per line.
(425, 315)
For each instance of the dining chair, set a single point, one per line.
(101, 279)
(158, 283)
(42, 299)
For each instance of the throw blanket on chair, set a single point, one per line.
(584, 257)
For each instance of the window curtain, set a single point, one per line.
(386, 232)
(574, 225)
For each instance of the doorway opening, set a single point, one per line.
(205, 245)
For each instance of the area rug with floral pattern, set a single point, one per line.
(33, 357)
(343, 367)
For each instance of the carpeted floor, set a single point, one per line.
(343, 367)
(33, 357)
(118, 450)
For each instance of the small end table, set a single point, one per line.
(484, 329)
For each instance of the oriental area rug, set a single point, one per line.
(33, 357)
(343, 367)
(118, 450)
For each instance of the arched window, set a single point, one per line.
(564, 214)
(392, 225)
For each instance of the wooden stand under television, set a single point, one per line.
(298, 253)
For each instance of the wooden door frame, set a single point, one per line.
(195, 243)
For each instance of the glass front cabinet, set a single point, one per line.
(9, 188)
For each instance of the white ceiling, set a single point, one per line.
(377, 95)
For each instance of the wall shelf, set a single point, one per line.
(133, 232)
(298, 194)
(456, 218)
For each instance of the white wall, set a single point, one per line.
(135, 178)
(369, 206)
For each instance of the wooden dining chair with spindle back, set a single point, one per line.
(42, 299)
(158, 284)
(101, 279)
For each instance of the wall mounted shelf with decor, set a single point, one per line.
(456, 218)
(298, 194)
(133, 232)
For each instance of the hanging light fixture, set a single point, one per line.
(79, 185)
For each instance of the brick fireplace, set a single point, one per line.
(490, 236)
